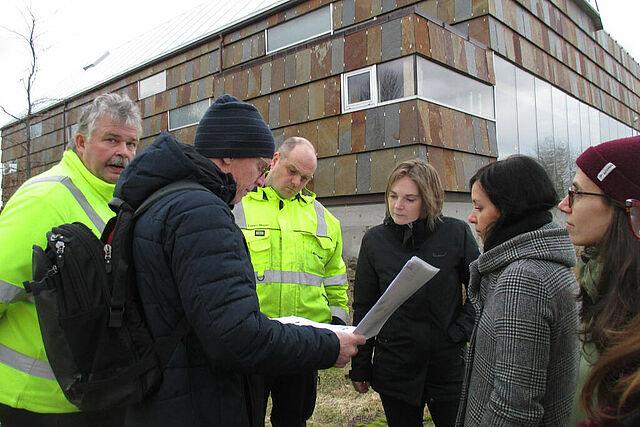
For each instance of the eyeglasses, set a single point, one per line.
(632, 207)
(633, 215)
(263, 166)
(572, 196)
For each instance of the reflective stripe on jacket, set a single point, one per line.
(296, 251)
(65, 193)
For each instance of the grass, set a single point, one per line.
(339, 405)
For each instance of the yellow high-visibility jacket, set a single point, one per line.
(65, 193)
(296, 251)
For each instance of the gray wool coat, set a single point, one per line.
(522, 362)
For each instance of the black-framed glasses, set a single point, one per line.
(572, 195)
(633, 215)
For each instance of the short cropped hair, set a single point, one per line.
(290, 143)
(428, 181)
(119, 107)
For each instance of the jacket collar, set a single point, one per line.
(547, 243)
(71, 160)
(268, 193)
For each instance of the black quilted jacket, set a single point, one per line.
(418, 352)
(191, 260)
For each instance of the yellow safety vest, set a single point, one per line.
(65, 193)
(296, 251)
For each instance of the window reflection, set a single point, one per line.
(527, 126)
(359, 87)
(300, 29)
(594, 126)
(451, 89)
(575, 134)
(506, 108)
(187, 115)
(152, 85)
(561, 140)
(536, 119)
(584, 127)
(395, 79)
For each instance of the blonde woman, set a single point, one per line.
(418, 352)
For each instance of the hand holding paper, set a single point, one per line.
(415, 273)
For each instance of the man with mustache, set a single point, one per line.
(76, 189)
(296, 251)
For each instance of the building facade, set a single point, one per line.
(374, 82)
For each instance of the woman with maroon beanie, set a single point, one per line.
(603, 216)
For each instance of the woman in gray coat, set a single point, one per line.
(522, 361)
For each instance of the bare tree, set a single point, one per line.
(29, 37)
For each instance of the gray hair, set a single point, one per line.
(119, 107)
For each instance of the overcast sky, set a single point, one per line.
(74, 33)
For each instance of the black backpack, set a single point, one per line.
(97, 342)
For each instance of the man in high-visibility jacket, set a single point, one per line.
(78, 188)
(296, 251)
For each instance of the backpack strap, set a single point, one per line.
(118, 294)
(164, 191)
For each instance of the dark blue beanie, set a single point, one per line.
(233, 128)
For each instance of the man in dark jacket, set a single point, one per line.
(192, 261)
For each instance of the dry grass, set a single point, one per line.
(339, 405)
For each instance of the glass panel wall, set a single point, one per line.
(526, 101)
(536, 119)
(507, 109)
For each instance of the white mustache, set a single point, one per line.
(118, 161)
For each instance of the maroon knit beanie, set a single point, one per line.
(614, 166)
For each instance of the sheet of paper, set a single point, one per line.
(301, 321)
(415, 273)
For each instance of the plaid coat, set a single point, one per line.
(523, 356)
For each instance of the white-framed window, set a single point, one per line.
(36, 129)
(359, 89)
(188, 115)
(300, 29)
(379, 84)
(152, 85)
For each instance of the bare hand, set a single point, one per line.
(361, 386)
(348, 347)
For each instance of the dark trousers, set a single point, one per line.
(402, 414)
(12, 417)
(293, 398)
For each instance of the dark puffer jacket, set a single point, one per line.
(419, 349)
(191, 260)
